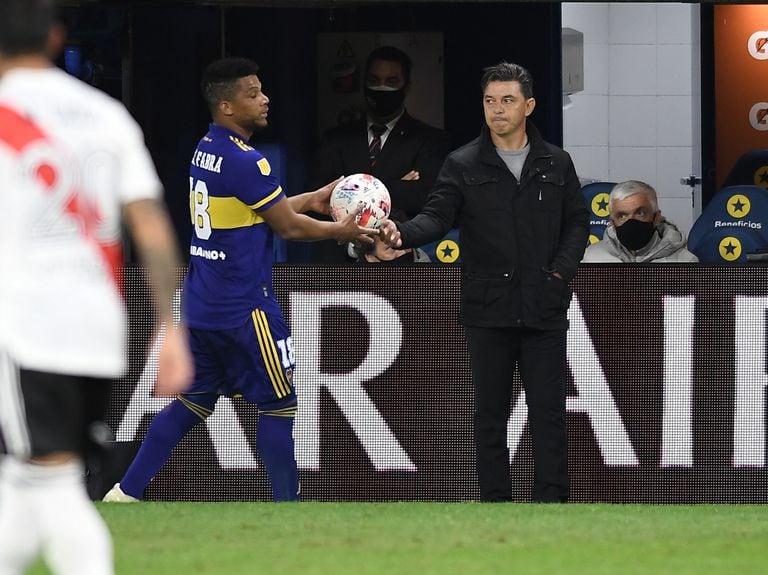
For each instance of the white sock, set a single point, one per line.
(19, 536)
(73, 536)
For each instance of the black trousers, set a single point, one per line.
(495, 354)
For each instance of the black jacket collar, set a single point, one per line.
(488, 155)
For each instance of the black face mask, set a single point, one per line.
(384, 103)
(634, 234)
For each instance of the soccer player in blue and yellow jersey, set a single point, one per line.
(239, 338)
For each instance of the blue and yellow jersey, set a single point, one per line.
(230, 269)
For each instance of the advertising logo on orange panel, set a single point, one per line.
(741, 65)
(757, 45)
(758, 116)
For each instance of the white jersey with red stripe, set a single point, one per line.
(70, 157)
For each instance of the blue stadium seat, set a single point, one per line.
(596, 194)
(732, 225)
(751, 169)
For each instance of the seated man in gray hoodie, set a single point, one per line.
(638, 232)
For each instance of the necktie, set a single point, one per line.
(375, 146)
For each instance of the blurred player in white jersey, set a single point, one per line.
(72, 165)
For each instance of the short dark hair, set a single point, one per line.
(391, 54)
(508, 72)
(220, 77)
(25, 25)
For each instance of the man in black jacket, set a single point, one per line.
(523, 226)
(403, 152)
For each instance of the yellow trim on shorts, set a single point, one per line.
(270, 354)
(200, 411)
(284, 412)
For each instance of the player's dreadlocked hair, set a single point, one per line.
(220, 77)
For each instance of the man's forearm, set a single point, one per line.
(298, 203)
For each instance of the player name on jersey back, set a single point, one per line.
(206, 161)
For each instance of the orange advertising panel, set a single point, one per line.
(741, 87)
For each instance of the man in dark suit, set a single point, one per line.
(403, 152)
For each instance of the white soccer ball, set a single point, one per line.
(363, 189)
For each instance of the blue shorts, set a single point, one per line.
(254, 361)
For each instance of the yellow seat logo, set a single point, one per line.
(761, 177)
(447, 251)
(738, 206)
(600, 205)
(730, 249)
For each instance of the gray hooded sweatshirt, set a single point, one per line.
(667, 245)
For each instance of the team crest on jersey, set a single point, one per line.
(264, 167)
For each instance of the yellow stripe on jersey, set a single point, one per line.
(241, 144)
(268, 199)
(270, 355)
(228, 213)
(264, 167)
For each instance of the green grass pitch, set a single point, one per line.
(435, 538)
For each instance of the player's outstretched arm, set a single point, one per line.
(150, 228)
(290, 225)
(389, 234)
(317, 201)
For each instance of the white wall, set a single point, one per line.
(635, 117)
